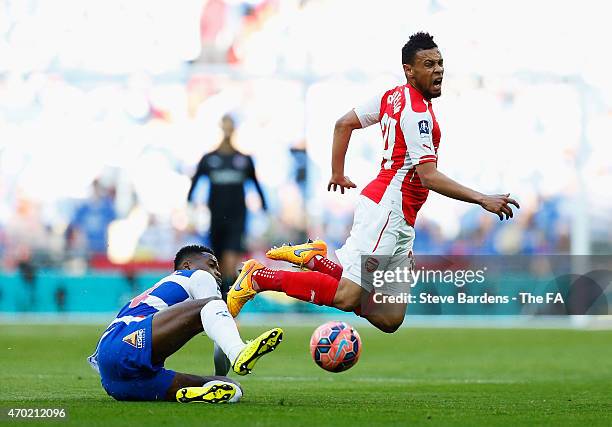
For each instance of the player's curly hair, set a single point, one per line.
(186, 251)
(417, 41)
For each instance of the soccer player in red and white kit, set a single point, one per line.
(387, 207)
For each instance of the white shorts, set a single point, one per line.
(380, 240)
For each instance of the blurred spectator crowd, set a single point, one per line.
(101, 131)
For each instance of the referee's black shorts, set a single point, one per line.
(227, 234)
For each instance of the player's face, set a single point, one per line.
(206, 262)
(426, 72)
(227, 126)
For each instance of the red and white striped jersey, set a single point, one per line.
(411, 136)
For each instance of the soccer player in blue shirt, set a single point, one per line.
(130, 354)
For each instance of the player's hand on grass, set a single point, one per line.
(340, 181)
(499, 204)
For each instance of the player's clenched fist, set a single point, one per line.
(499, 204)
(340, 181)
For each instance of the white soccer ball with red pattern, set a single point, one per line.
(335, 346)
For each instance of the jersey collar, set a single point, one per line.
(419, 94)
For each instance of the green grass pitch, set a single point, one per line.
(413, 377)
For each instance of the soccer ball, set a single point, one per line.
(335, 346)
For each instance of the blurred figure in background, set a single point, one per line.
(228, 170)
(91, 220)
(59, 296)
(28, 275)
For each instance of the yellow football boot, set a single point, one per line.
(242, 289)
(299, 255)
(219, 392)
(263, 344)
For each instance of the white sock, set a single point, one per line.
(220, 327)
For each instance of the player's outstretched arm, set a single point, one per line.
(343, 129)
(201, 171)
(253, 177)
(435, 180)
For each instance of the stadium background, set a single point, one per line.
(105, 109)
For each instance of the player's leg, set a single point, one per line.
(229, 245)
(226, 239)
(230, 259)
(217, 242)
(131, 363)
(218, 231)
(229, 262)
(387, 317)
(311, 255)
(175, 326)
(370, 226)
(163, 384)
(326, 266)
(187, 388)
(375, 230)
(321, 289)
(357, 295)
(221, 362)
(310, 286)
(131, 357)
(317, 288)
(386, 313)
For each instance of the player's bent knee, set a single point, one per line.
(197, 306)
(389, 324)
(346, 304)
(348, 295)
(204, 301)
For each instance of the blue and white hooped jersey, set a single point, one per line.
(182, 285)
